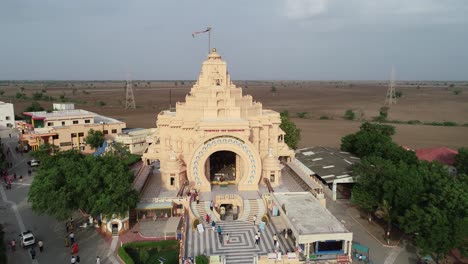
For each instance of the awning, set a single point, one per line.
(150, 206)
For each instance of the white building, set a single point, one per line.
(135, 139)
(7, 115)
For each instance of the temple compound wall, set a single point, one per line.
(218, 136)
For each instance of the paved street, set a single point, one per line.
(16, 215)
(379, 253)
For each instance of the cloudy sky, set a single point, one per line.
(260, 39)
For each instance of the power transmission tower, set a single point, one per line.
(390, 98)
(129, 98)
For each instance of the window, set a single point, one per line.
(75, 122)
(81, 134)
(272, 177)
(82, 148)
(114, 131)
(63, 123)
(73, 135)
(87, 121)
(50, 123)
(7, 117)
(106, 132)
(172, 181)
(55, 137)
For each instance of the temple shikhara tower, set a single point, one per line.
(218, 136)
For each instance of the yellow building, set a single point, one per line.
(218, 136)
(66, 128)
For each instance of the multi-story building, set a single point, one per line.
(66, 129)
(7, 115)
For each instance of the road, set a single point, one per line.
(379, 254)
(16, 215)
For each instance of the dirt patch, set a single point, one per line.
(330, 99)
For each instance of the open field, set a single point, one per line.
(430, 102)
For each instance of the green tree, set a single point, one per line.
(68, 181)
(95, 138)
(349, 115)
(293, 134)
(34, 107)
(2, 92)
(461, 161)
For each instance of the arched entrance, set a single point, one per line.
(222, 167)
(248, 165)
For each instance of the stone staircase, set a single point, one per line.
(200, 210)
(252, 208)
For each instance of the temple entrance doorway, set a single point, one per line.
(222, 168)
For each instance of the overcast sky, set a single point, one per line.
(259, 39)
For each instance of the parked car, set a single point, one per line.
(34, 163)
(27, 239)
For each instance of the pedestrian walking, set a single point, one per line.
(98, 260)
(21, 178)
(207, 218)
(72, 238)
(33, 253)
(67, 226)
(258, 234)
(275, 238)
(211, 205)
(227, 239)
(67, 241)
(277, 244)
(198, 199)
(254, 219)
(41, 245)
(286, 236)
(219, 230)
(213, 225)
(256, 239)
(73, 260)
(77, 259)
(9, 135)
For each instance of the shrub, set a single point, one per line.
(302, 114)
(465, 125)
(450, 123)
(324, 118)
(457, 92)
(349, 115)
(398, 94)
(414, 122)
(265, 219)
(202, 259)
(196, 222)
(100, 103)
(144, 255)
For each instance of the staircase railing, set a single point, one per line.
(182, 188)
(268, 184)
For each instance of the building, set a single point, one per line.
(218, 136)
(7, 115)
(313, 228)
(332, 166)
(65, 129)
(135, 139)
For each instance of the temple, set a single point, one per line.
(218, 136)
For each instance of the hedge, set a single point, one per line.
(172, 244)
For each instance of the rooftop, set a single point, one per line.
(327, 163)
(307, 215)
(60, 113)
(442, 154)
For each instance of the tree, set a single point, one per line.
(461, 161)
(34, 107)
(398, 94)
(95, 138)
(349, 115)
(293, 134)
(273, 90)
(68, 181)
(1, 92)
